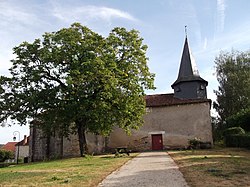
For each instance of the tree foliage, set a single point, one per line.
(4, 155)
(240, 119)
(77, 81)
(233, 75)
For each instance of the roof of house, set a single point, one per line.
(169, 100)
(10, 146)
(24, 142)
(188, 70)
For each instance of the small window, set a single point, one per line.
(177, 89)
(202, 87)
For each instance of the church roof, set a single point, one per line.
(188, 70)
(169, 100)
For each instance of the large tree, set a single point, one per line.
(233, 75)
(77, 81)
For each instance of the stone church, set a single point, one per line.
(171, 121)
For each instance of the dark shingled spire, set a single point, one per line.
(189, 84)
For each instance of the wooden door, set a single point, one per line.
(157, 143)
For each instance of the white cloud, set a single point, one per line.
(238, 38)
(14, 21)
(220, 15)
(89, 13)
(13, 14)
(205, 43)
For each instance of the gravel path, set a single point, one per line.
(151, 169)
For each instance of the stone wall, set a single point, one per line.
(37, 144)
(61, 147)
(23, 151)
(177, 124)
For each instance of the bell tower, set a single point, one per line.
(189, 84)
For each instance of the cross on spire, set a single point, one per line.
(186, 30)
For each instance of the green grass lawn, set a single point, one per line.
(87, 171)
(216, 167)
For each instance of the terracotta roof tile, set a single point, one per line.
(10, 146)
(169, 99)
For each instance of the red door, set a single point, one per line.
(157, 143)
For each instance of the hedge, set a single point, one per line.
(238, 140)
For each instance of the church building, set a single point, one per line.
(171, 120)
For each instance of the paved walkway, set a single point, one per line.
(149, 169)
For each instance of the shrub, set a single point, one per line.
(194, 143)
(233, 131)
(2, 165)
(4, 155)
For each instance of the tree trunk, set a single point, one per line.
(47, 146)
(106, 140)
(82, 138)
(61, 146)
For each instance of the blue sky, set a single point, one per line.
(212, 26)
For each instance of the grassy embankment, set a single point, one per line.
(87, 171)
(216, 167)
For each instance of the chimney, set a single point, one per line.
(25, 140)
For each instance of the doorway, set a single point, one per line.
(157, 143)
